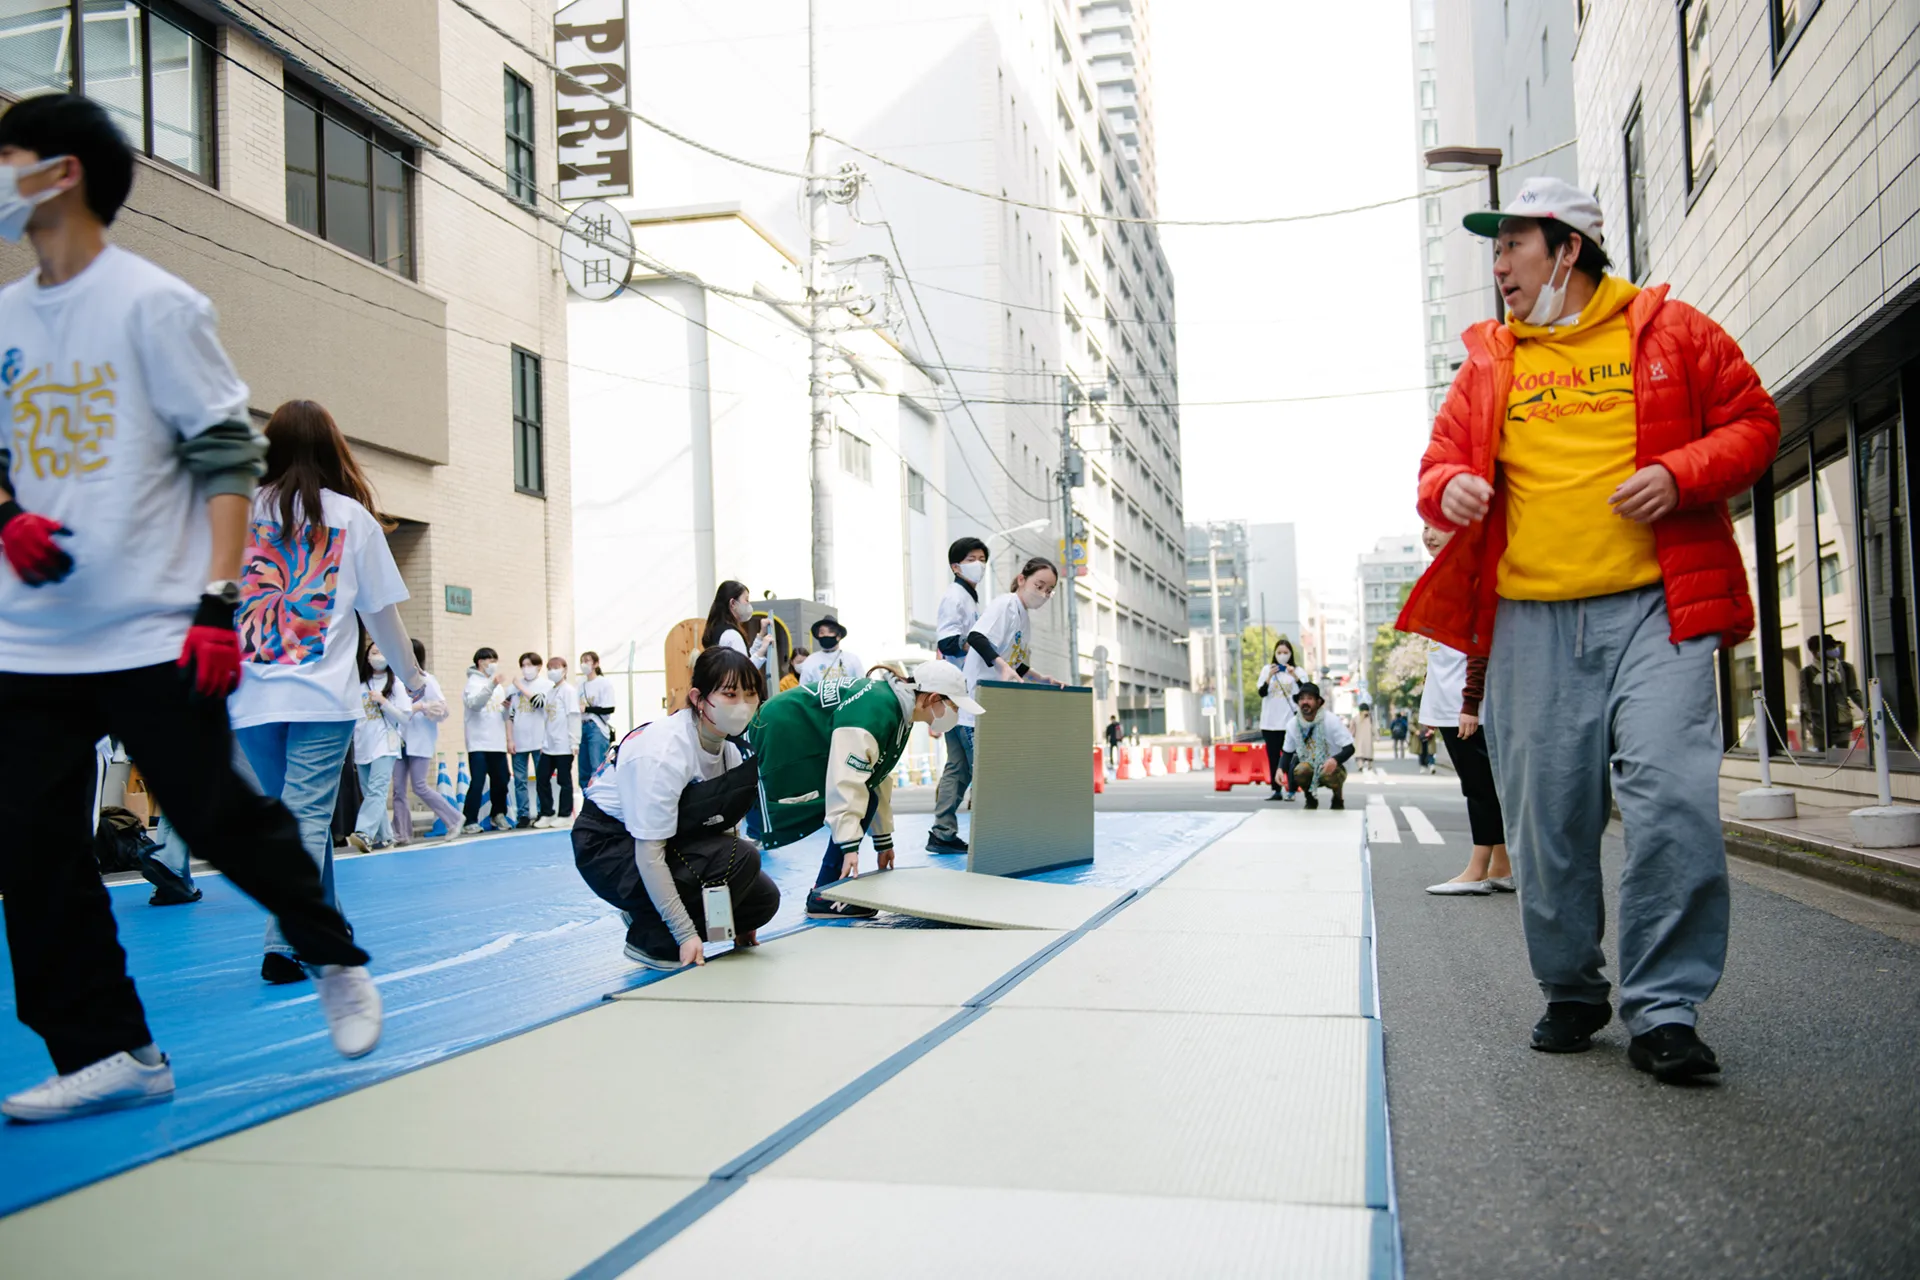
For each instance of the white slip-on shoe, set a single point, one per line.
(1457, 888)
(1502, 884)
(352, 1005)
(107, 1085)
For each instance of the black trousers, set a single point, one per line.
(1470, 761)
(1279, 769)
(549, 768)
(486, 771)
(69, 972)
(603, 850)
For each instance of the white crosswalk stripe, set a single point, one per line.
(1423, 829)
(1380, 826)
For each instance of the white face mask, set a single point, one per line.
(1032, 598)
(557, 674)
(586, 670)
(944, 719)
(377, 662)
(1552, 297)
(973, 571)
(742, 610)
(487, 668)
(16, 209)
(531, 673)
(731, 718)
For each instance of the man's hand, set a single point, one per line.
(1466, 498)
(1648, 494)
(1469, 725)
(1327, 769)
(850, 860)
(692, 951)
(211, 655)
(885, 856)
(28, 542)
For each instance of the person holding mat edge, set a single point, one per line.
(827, 754)
(656, 833)
(997, 645)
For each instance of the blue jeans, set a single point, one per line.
(522, 763)
(594, 749)
(375, 820)
(299, 764)
(171, 851)
(954, 781)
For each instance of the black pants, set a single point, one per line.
(1470, 761)
(1279, 771)
(486, 770)
(603, 850)
(69, 973)
(550, 767)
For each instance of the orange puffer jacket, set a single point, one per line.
(1703, 415)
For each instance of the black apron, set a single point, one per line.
(702, 850)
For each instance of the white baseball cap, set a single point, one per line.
(1544, 198)
(944, 678)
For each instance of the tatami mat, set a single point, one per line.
(1274, 912)
(859, 966)
(1295, 824)
(964, 897)
(782, 1227)
(1199, 973)
(654, 1088)
(208, 1221)
(1203, 1105)
(1246, 868)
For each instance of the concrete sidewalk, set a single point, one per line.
(1818, 842)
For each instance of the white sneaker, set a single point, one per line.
(1454, 888)
(541, 824)
(352, 1006)
(108, 1085)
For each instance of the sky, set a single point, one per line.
(1268, 109)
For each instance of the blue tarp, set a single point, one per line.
(471, 943)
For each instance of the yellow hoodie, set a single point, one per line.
(1568, 442)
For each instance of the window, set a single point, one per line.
(916, 491)
(1546, 67)
(1635, 146)
(520, 180)
(1696, 74)
(1783, 507)
(1785, 577)
(856, 456)
(1429, 94)
(1833, 580)
(1436, 328)
(149, 64)
(529, 459)
(1429, 133)
(347, 181)
(1789, 20)
(1433, 212)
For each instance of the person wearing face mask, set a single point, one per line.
(526, 734)
(959, 610)
(1583, 458)
(385, 712)
(997, 646)
(730, 623)
(557, 749)
(828, 660)
(1279, 683)
(418, 744)
(596, 719)
(485, 699)
(657, 834)
(827, 755)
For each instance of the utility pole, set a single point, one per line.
(820, 453)
(1219, 642)
(1072, 465)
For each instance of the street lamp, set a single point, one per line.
(1028, 527)
(1466, 160)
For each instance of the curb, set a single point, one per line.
(1871, 882)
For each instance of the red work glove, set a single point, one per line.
(211, 655)
(28, 542)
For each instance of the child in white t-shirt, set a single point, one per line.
(526, 733)
(556, 751)
(418, 743)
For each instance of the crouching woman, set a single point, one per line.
(657, 836)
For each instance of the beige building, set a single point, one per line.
(301, 164)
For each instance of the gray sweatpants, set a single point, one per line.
(1587, 698)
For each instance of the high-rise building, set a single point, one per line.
(1273, 578)
(1385, 572)
(1217, 612)
(1115, 33)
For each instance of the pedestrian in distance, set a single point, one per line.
(597, 706)
(1320, 745)
(385, 712)
(1398, 727)
(1115, 735)
(730, 623)
(1585, 455)
(1362, 740)
(419, 744)
(557, 750)
(1424, 738)
(829, 661)
(526, 734)
(485, 701)
(1279, 684)
(123, 530)
(959, 610)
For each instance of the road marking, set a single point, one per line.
(1380, 827)
(1423, 830)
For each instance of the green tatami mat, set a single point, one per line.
(1171, 1104)
(781, 1227)
(858, 966)
(1341, 829)
(1199, 973)
(1242, 868)
(1273, 912)
(655, 1087)
(189, 1218)
(964, 897)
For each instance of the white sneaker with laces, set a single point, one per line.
(107, 1085)
(352, 1005)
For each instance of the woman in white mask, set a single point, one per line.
(656, 835)
(730, 623)
(1279, 682)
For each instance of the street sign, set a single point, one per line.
(1078, 560)
(459, 599)
(594, 133)
(596, 251)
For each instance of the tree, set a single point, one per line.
(1256, 650)
(1385, 640)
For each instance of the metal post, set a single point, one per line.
(1493, 195)
(1760, 721)
(633, 712)
(1219, 644)
(820, 460)
(1069, 571)
(1879, 711)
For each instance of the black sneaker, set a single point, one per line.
(1339, 801)
(173, 898)
(169, 889)
(1568, 1026)
(1278, 794)
(946, 844)
(1313, 801)
(1672, 1053)
(819, 908)
(281, 969)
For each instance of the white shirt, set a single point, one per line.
(959, 610)
(422, 734)
(104, 376)
(819, 663)
(1277, 707)
(1446, 688)
(655, 764)
(377, 734)
(563, 719)
(529, 721)
(599, 692)
(1004, 623)
(486, 705)
(732, 639)
(298, 638)
(1339, 737)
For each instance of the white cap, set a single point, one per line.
(1544, 198)
(944, 678)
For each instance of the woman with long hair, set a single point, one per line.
(378, 744)
(997, 645)
(316, 557)
(730, 622)
(1279, 682)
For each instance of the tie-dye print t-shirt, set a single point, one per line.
(298, 595)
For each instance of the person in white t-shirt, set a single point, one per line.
(829, 661)
(385, 711)
(526, 734)
(418, 743)
(307, 586)
(596, 719)
(1279, 682)
(659, 825)
(485, 699)
(1320, 745)
(959, 610)
(999, 644)
(557, 748)
(730, 623)
(124, 480)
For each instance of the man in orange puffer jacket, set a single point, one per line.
(1586, 453)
